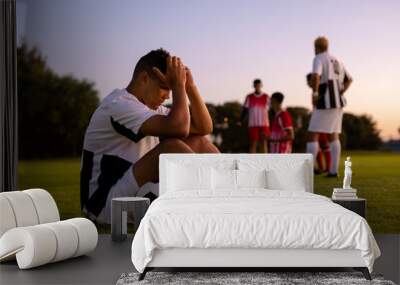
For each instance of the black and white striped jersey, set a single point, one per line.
(333, 75)
(112, 144)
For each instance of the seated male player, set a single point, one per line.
(130, 129)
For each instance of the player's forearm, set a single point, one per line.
(289, 136)
(179, 116)
(315, 82)
(201, 118)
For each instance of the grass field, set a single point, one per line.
(376, 175)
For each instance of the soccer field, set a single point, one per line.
(376, 176)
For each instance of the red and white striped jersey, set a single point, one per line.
(281, 123)
(258, 105)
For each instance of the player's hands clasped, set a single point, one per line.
(175, 76)
(189, 80)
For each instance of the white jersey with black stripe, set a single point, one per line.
(112, 144)
(333, 75)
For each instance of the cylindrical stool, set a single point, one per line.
(119, 215)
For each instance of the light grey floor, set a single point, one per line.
(389, 262)
(103, 266)
(110, 260)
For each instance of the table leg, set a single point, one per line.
(118, 223)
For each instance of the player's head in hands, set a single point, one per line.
(145, 84)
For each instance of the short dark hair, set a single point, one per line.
(256, 81)
(321, 43)
(308, 76)
(155, 58)
(278, 96)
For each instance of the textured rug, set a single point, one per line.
(232, 278)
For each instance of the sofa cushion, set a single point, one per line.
(23, 208)
(7, 220)
(67, 240)
(46, 207)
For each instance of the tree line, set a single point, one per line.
(54, 111)
(358, 132)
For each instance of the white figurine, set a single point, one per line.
(347, 173)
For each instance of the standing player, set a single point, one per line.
(329, 81)
(282, 134)
(256, 107)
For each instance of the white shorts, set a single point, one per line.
(326, 121)
(125, 187)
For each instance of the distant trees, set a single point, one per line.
(359, 132)
(227, 128)
(54, 110)
(300, 117)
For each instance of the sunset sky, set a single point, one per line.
(227, 44)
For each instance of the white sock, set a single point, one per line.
(335, 151)
(313, 147)
(127, 185)
(133, 185)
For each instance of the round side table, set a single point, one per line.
(119, 215)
